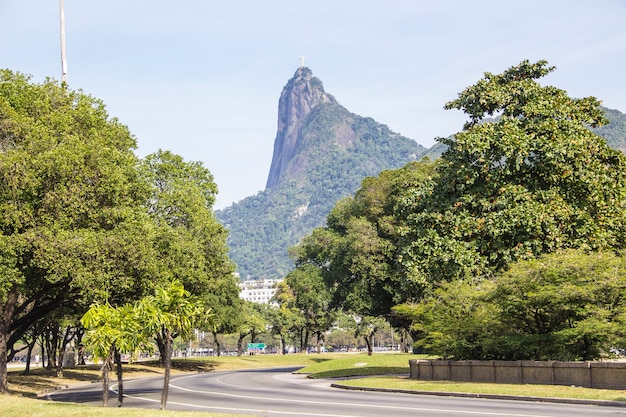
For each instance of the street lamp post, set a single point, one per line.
(63, 58)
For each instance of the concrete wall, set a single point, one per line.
(610, 375)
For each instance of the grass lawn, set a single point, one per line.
(361, 364)
(527, 390)
(391, 369)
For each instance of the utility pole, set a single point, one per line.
(63, 58)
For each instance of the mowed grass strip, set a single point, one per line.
(360, 364)
(15, 406)
(525, 390)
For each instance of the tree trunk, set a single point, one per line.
(305, 341)
(106, 366)
(81, 355)
(29, 353)
(120, 381)
(161, 345)
(283, 345)
(369, 341)
(319, 342)
(6, 315)
(51, 345)
(218, 346)
(167, 340)
(240, 344)
(68, 335)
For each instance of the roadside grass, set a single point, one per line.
(361, 364)
(526, 390)
(15, 406)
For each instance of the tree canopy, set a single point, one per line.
(71, 205)
(532, 181)
(565, 306)
(526, 177)
(83, 220)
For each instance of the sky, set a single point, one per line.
(202, 78)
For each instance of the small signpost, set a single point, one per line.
(256, 346)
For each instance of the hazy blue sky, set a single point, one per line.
(202, 78)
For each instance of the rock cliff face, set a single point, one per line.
(299, 97)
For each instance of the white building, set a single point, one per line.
(258, 291)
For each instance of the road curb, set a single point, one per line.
(487, 396)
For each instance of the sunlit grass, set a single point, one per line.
(15, 406)
(526, 390)
(360, 364)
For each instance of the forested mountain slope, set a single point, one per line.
(322, 152)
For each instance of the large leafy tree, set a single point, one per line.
(568, 306)
(223, 299)
(533, 180)
(72, 222)
(189, 241)
(357, 254)
(306, 292)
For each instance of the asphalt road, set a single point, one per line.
(279, 393)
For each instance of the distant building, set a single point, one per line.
(258, 291)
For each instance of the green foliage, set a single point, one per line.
(532, 181)
(174, 309)
(190, 243)
(306, 293)
(562, 306)
(615, 131)
(356, 252)
(82, 220)
(73, 226)
(121, 327)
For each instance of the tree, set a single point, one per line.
(285, 320)
(532, 181)
(568, 306)
(366, 327)
(223, 300)
(311, 298)
(111, 331)
(72, 223)
(171, 312)
(562, 306)
(357, 252)
(190, 240)
(251, 321)
(454, 321)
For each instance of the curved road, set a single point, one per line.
(279, 393)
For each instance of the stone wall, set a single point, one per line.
(610, 375)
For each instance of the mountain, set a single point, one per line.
(615, 131)
(322, 152)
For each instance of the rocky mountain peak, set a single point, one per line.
(302, 93)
